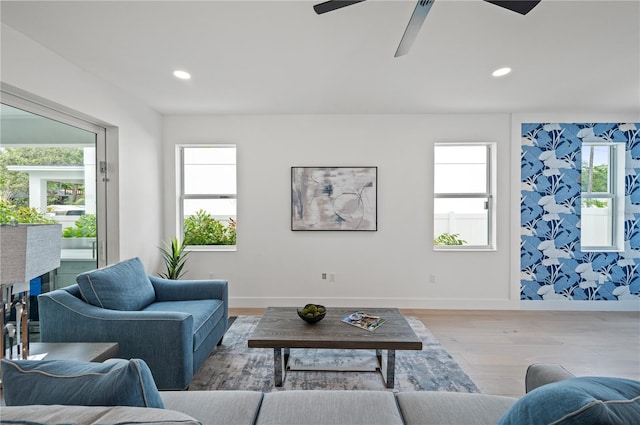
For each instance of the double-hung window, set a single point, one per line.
(208, 195)
(463, 196)
(602, 200)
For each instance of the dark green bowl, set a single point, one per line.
(314, 319)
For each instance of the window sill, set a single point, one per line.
(601, 250)
(204, 248)
(465, 249)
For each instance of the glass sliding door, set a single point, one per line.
(50, 162)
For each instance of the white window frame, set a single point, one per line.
(182, 196)
(615, 195)
(488, 195)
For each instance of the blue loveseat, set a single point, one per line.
(173, 325)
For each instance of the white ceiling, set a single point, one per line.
(255, 57)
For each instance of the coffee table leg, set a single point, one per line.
(277, 366)
(287, 354)
(391, 368)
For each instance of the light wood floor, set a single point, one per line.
(495, 347)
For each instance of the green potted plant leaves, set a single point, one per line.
(25, 230)
(11, 214)
(175, 258)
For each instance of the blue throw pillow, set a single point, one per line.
(68, 382)
(579, 401)
(122, 286)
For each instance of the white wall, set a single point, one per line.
(274, 265)
(390, 267)
(30, 67)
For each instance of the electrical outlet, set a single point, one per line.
(332, 277)
(324, 276)
(432, 278)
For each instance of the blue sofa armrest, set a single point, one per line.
(195, 290)
(184, 290)
(159, 338)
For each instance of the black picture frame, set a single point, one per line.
(334, 198)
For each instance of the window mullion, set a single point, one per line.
(208, 196)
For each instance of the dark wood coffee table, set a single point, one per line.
(280, 328)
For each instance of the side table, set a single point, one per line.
(82, 351)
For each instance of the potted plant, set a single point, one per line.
(175, 258)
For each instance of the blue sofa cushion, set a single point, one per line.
(115, 382)
(206, 315)
(121, 286)
(579, 401)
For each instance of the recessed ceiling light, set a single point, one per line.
(183, 75)
(501, 72)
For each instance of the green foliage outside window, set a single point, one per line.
(599, 178)
(10, 213)
(449, 239)
(599, 184)
(594, 203)
(84, 227)
(17, 182)
(203, 229)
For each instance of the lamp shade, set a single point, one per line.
(28, 251)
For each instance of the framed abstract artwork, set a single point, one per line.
(334, 198)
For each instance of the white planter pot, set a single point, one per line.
(78, 243)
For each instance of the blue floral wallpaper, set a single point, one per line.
(552, 265)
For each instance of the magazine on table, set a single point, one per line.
(364, 320)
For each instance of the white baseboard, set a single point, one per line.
(624, 305)
(404, 303)
(438, 304)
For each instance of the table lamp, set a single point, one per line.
(26, 251)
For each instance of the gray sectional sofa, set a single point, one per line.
(543, 403)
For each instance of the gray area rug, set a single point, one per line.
(235, 366)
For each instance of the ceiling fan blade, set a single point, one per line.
(520, 6)
(331, 5)
(413, 27)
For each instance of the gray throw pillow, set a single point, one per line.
(122, 286)
(116, 382)
(579, 401)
